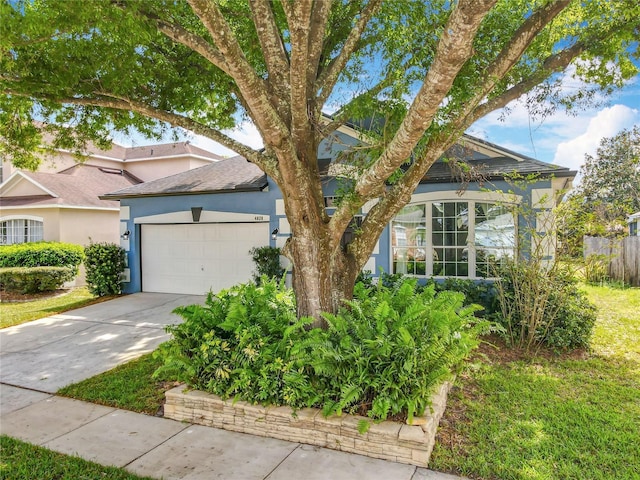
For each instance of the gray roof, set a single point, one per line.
(234, 174)
(491, 167)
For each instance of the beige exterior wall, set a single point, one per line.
(50, 219)
(153, 169)
(83, 226)
(72, 225)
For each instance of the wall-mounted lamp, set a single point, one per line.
(125, 235)
(274, 234)
(195, 214)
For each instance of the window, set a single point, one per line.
(20, 230)
(465, 238)
(408, 239)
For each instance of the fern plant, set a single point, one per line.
(382, 354)
(385, 353)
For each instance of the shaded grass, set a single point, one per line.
(22, 461)
(552, 418)
(21, 312)
(128, 386)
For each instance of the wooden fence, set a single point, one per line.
(624, 255)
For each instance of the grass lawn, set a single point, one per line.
(128, 386)
(15, 313)
(571, 417)
(22, 461)
(556, 417)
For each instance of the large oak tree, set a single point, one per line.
(429, 68)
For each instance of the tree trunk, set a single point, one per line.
(322, 277)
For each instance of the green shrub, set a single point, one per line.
(34, 279)
(267, 260)
(543, 307)
(239, 344)
(104, 265)
(482, 292)
(479, 292)
(41, 254)
(596, 269)
(383, 353)
(389, 348)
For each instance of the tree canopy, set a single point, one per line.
(608, 191)
(429, 68)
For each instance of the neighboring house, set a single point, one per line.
(191, 232)
(60, 202)
(63, 206)
(634, 224)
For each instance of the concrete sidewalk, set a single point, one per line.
(38, 358)
(161, 448)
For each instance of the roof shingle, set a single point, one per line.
(80, 185)
(232, 174)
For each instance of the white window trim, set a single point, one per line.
(471, 197)
(21, 217)
(33, 218)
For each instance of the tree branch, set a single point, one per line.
(329, 76)
(299, 29)
(454, 49)
(275, 56)
(552, 64)
(194, 42)
(107, 100)
(250, 86)
(320, 16)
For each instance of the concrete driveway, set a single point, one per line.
(52, 352)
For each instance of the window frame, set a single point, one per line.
(471, 198)
(31, 224)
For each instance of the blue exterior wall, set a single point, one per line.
(264, 203)
(261, 203)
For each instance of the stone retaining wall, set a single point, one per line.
(394, 441)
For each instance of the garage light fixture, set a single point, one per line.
(195, 214)
(125, 235)
(274, 234)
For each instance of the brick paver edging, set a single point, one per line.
(388, 440)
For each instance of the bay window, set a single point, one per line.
(451, 238)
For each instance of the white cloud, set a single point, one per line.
(245, 133)
(605, 123)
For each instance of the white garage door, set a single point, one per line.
(196, 258)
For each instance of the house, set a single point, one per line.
(192, 232)
(634, 224)
(60, 202)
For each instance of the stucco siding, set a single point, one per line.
(83, 226)
(255, 203)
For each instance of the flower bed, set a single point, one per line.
(387, 440)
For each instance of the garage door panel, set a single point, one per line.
(195, 258)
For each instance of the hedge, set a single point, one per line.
(41, 254)
(34, 279)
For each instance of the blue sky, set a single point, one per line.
(563, 139)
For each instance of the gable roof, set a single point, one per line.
(78, 186)
(234, 174)
(491, 161)
(488, 160)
